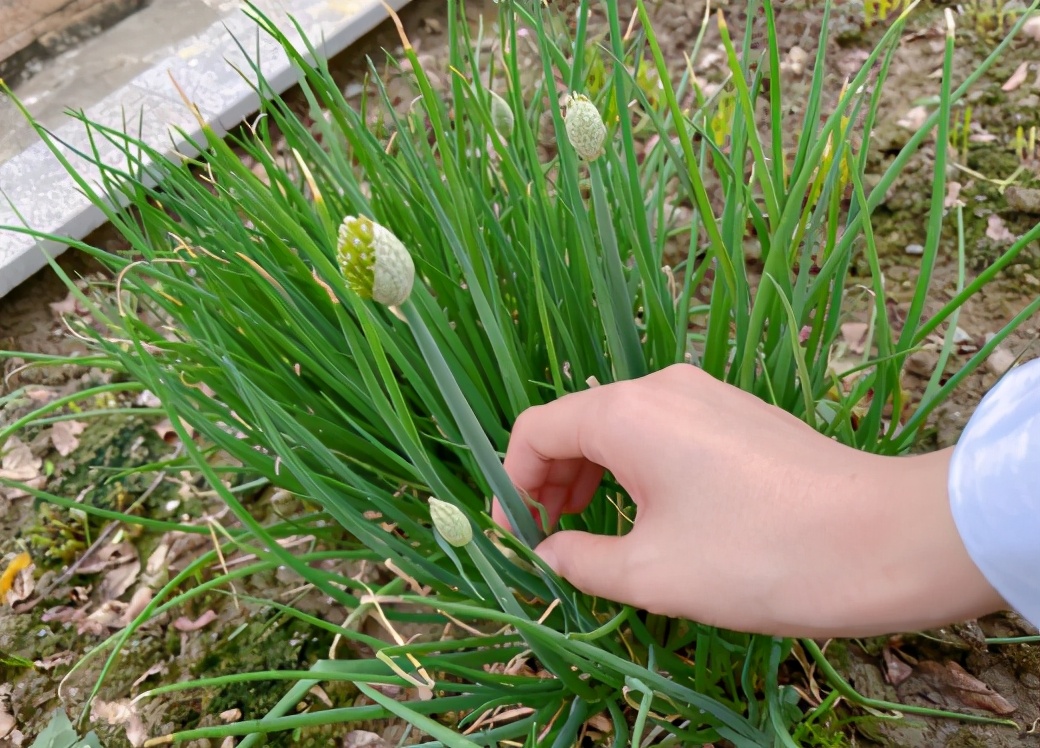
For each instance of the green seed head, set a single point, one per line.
(501, 115)
(375, 264)
(585, 128)
(450, 522)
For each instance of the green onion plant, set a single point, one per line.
(536, 263)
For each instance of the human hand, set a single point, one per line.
(747, 518)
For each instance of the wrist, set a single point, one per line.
(940, 583)
(905, 565)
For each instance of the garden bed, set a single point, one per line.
(912, 669)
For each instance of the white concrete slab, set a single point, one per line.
(36, 191)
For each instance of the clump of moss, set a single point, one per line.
(265, 643)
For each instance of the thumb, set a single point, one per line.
(595, 564)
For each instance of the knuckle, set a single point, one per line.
(682, 373)
(524, 422)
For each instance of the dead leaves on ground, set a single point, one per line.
(1017, 78)
(896, 670)
(121, 712)
(24, 463)
(998, 231)
(956, 683)
(16, 581)
(64, 435)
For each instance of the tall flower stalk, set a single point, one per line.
(377, 266)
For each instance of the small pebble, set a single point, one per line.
(1000, 360)
(914, 249)
(960, 336)
(1023, 199)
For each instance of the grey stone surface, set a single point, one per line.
(207, 64)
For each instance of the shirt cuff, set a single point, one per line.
(994, 486)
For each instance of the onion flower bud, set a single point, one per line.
(451, 523)
(501, 115)
(374, 262)
(585, 128)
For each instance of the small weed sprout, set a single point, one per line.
(721, 122)
(989, 18)
(1025, 146)
(879, 11)
(960, 132)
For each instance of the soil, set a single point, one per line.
(161, 653)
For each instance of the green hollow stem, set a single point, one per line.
(310, 719)
(1014, 640)
(519, 516)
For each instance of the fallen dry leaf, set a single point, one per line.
(997, 230)
(138, 602)
(14, 568)
(119, 579)
(914, 119)
(7, 720)
(63, 614)
(147, 399)
(362, 739)
(983, 136)
(1017, 78)
(58, 659)
(40, 395)
(21, 587)
(12, 493)
(855, 335)
(69, 305)
(106, 556)
(64, 436)
(109, 615)
(121, 713)
(18, 462)
(165, 430)
(958, 683)
(896, 671)
(319, 693)
(795, 62)
(159, 668)
(186, 624)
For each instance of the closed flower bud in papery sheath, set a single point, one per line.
(501, 115)
(450, 522)
(585, 128)
(375, 264)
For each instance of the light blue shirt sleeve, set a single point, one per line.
(994, 486)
